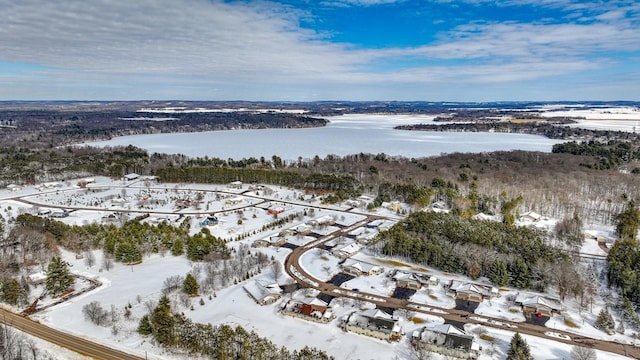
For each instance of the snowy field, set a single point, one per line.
(139, 286)
(608, 118)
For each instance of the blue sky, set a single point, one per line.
(305, 50)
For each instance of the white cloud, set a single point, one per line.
(154, 37)
(209, 49)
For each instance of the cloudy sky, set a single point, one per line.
(306, 50)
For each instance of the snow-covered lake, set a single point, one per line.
(346, 134)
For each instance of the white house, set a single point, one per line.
(374, 323)
(346, 251)
(262, 292)
(357, 268)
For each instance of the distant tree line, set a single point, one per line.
(221, 175)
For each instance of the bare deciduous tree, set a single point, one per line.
(89, 258)
(583, 353)
(94, 312)
(107, 262)
(172, 283)
(276, 267)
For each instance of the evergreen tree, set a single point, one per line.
(198, 247)
(58, 277)
(190, 285)
(177, 248)
(604, 321)
(520, 274)
(628, 222)
(498, 273)
(144, 327)
(162, 322)
(518, 349)
(128, 252)
(12, 292)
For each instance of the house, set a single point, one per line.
(357, 232)
(48, 185)
(438, 206)
(393, 206)
(471, 291)
(358, 268)
(273, 240)
(530, 216)
(14, 187)
(118, 202)
(84, 182)
(234, 200)
(263, 292)
(538, 305)
(375, 224)
(302, 229)
(275, 210)
(346, 251)
(409, 280)
(468, 295)
(209, 221)
(374, 323)
(537, 309)
(325, 220)
(235, 185)
(184, 203)
(483, 216)
(110, 218)
(312, 309)
(447, 340)
(59, 214)
(130, 177)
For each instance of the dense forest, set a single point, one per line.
(506, 254)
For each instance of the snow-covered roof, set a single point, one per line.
(261, 289)
(531, 215)
(448, 329)
(530, 299)
(482, 216)
(325, 219)
(376, 314)
(314, 301)
(484, 290)
(360, 265)
(349, 249)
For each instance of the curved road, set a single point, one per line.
(293, 268)
(71, 342)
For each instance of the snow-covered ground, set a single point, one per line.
(139, 286)
(606, 118)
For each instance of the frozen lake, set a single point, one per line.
(346, 134)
